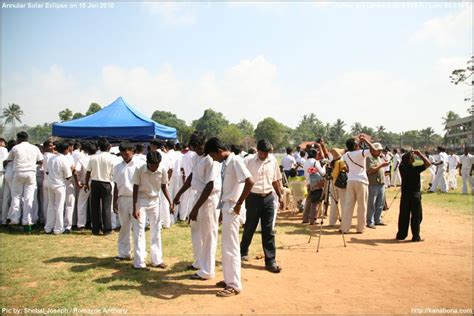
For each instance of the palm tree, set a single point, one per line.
(12, 114)
(356, 129)
(65, 115)
(427, 135)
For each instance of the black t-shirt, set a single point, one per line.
(411, 177)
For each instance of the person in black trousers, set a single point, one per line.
(260, 204)
(410, 203)
(99, 171)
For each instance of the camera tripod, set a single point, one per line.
(323, 210)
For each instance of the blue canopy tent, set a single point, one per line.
(117, 121)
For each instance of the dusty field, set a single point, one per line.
(374, 274)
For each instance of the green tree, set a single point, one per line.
(427, 136)
(450, 116)
(12, 114)
(93, 107)
(275, 132)
(39, 133)
(246, 127)
(231, 134)
(337, 134)
(65, 115)
(308, 129)
(356, 129)
(77, 115)
(210, 123)
(170, 119)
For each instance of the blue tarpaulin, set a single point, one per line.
(117, 121)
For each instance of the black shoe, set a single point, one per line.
(106, 233)
(191, 267)
(141, 269)
(380, 224)
(118, 258)
(274, 268)
(416, 239)
(371, 226)
(67, 231)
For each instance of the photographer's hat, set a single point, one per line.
(336, 153)
(377, 146)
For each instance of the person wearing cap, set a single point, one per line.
(337, 195)
(260, 204)
(375, 173)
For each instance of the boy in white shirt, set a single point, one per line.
(236, 185)
(453, 163)
(148, 181)
(59, 172)
(123, 196)
(205, 179)
(90, 149)
(25, 157)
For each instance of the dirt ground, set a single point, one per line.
(374, 274)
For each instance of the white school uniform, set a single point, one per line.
(82, 195)
(440, 177)
(25, 157)
(234, 175)
(466, 162)
(3, 156)
(176, 181)
(70, 196)
(58, 171)
(396, 178)
(123, 179)
(7, 191)
(148, 206)
(204, 230)
(187, 199)
(453, 161)
(165, 215)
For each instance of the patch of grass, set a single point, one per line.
(453, 201)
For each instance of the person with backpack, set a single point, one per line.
(338, 187)
(314, 173)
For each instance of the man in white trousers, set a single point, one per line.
(188, 196)
(3, 157)
(396, 178)
(7, 183)
(204, 216)
(123, 197)
(80, 177)
(236, 185)
(58, 172)
(70, 192)
(440, 177)
(177, 181)
(25, 157)
(453, 164)
(148, 181)
(465, 169)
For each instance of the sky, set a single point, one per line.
(378, 63)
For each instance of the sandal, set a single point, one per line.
(221, 284)
(228, 291)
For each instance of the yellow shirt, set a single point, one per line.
(338, 166)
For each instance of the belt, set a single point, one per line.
(261, 194)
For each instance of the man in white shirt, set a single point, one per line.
(465, 170)
(139, 150)
(387, 157)
(260, 204)
(148, 180)
(25, 157)
(58, 172)
(236, 185)
(100, 171)
(123, 197)
(453, 163)
(204, 216)
(442, 167)
(357, 184)
(3, 157)
(70, 191)
(7, 183)
(396, 178)
(90, 149)
(288, 162)
(177, 177)
(188, 196)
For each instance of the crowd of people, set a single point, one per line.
(66, 185)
